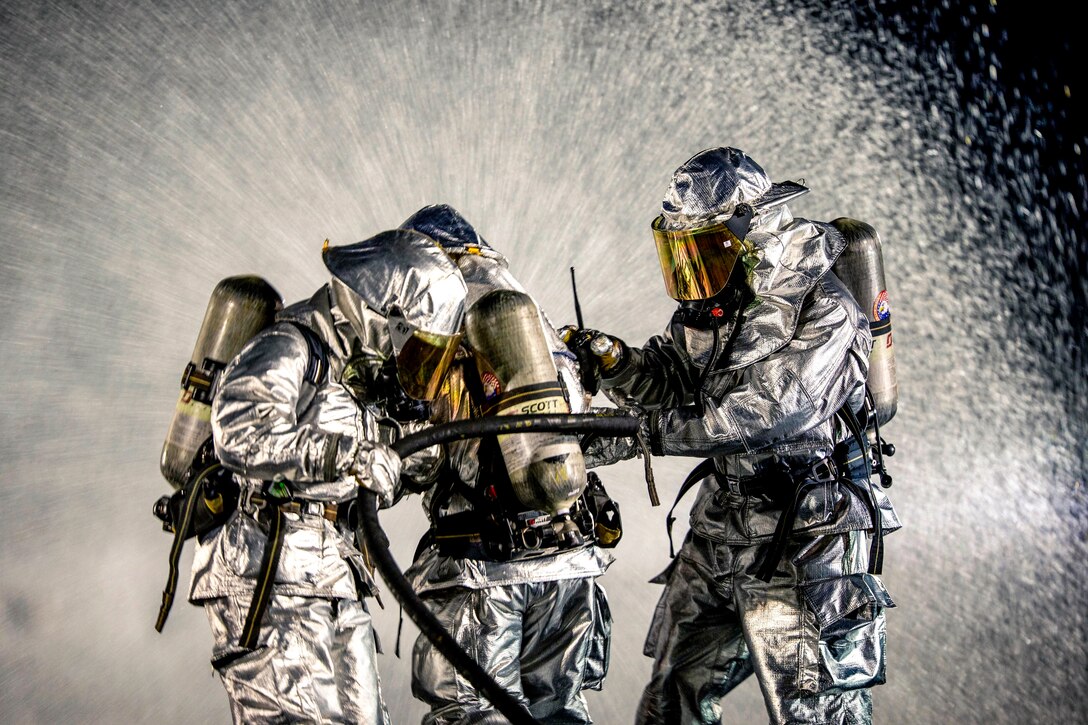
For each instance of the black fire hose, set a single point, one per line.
(378, 544)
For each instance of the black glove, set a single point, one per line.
(596, 353)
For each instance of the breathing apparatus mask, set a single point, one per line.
(372, 379)
(697, 263)
(704, 268)
(422, 357)
(404, 383)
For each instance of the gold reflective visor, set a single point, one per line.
(696, 263)
(422, 362)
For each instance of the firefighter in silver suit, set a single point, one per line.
(763, 360)
(301, 416)
(537, 621)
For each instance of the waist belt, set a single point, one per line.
(821, 472)
(789, 486)
(328, 511)
(476, 535)
(776, 484)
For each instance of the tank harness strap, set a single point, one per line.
(317, 361)
(181, 531)
(881, 445)
(821, 472)
(865, 491)
(262, 592)
(704, 469)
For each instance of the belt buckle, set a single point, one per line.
(312, 508)
(825, 471)
(249, 504)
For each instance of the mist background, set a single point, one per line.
(148, 150)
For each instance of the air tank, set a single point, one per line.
(239, 308)
(519, 377)
(861, 268)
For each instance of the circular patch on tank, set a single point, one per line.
(882, 309)
(491, 385)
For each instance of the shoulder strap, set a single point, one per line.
(317, 364)
(700, 472)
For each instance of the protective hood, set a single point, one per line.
(708, 188)
(445, 225)
(407, 279)
(406, 270)
(359, 329)
(785, 256)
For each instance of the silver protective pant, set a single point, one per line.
(315, 661)
(813, 636)
(544, 642)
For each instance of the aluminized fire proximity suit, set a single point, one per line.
(314, 659)
(758, 393)
(540, 624)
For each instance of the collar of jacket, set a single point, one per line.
(793, 255)
(322, 316)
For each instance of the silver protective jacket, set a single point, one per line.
(801, 352)
(271, 424)
(483, 274)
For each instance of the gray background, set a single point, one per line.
(146, 153)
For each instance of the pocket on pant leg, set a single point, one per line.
(850, 628)
(600, 642)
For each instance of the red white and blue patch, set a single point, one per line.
(492, 387)
(882, 309)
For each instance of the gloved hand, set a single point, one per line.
(596, 353)
(377, 468)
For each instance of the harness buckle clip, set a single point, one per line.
(824, 471)
(250, 502)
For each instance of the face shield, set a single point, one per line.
(697, 263)
(423, 358)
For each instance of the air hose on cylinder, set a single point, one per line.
(378, 543)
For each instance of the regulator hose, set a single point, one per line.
(378, 543)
